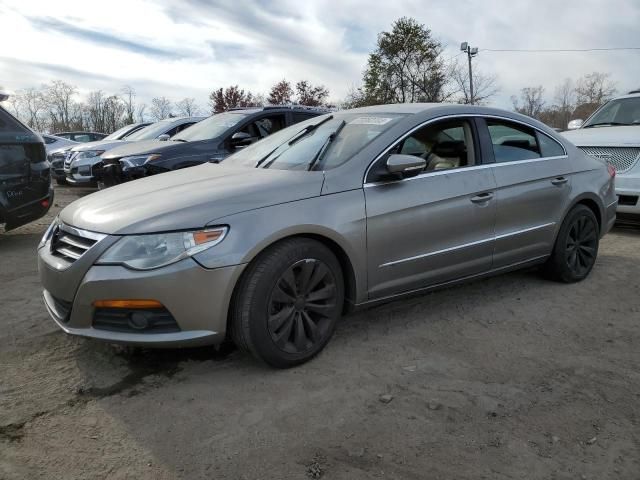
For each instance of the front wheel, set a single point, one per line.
(288, 302)
(576, 247)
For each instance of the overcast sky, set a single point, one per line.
(186, 48)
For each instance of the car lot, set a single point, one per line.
(511, 377)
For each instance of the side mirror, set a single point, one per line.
(405, 165)
(164, 137)
(575, 124)
(241, 139)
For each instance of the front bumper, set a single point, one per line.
(628, 192)
(197, 298)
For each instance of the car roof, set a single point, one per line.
(78, 131)
(632, 94)
(279, 108)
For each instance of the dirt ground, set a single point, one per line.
(511, 377)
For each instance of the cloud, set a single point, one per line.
(188, 48)
(101, 38)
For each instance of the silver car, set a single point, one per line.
(342, 211)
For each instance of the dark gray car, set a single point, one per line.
(339, 212)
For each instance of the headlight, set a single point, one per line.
(89, 154)
(137, 160)
(145, 252)
(47, 233)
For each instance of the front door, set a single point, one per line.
(437, 226)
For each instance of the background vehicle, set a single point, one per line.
(79, 162)
(82, 136)
(340, 211)
(57, 157)
(53, 143)
(25, 182)
(612, 134)
(211, 140)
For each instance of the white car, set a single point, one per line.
(53, 143)
(612, 134)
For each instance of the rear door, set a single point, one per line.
(533, 179)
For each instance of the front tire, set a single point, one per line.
(576, 247)
(287, 303)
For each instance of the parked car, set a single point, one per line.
(612, 134)
(25, 182)
(341, 211)
(53, 143)
(211, 140)
(79, 162)
(57, 157)
(82, 136)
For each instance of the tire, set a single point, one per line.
(61, 181)
(287, 303)
(576, 248)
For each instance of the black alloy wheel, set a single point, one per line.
(582, 245)
(302, 305)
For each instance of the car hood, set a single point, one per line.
(100, 145)
(141, 148)
(188, 198)
(622, 136)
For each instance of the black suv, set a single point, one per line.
(211, 140)
(25, 181)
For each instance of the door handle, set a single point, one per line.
(559, 181)
(482, 198)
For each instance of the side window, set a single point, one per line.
(444, 145)
(301, 117)
(512, 142)
(549, 147)
(271, 124)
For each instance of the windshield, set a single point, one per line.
(151, 131)
(624, 111)
(211, 127)
(118, 133)
(336, 139)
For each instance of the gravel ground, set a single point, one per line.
(511, 377)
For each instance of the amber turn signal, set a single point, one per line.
(127, 304)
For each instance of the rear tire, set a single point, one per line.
(286, 306)
(61, 181)
(576, 248)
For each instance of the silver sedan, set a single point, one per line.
(339, 212)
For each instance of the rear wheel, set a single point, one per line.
(288, 302)
(576, 248)
(61, 181)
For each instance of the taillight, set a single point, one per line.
(612, 171)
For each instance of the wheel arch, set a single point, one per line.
(591, 201)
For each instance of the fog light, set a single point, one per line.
(139, 320)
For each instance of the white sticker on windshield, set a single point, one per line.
(370, 121)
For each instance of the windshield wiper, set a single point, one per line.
(325, 146)
(302, 133)
(178, 139)
(608, 124)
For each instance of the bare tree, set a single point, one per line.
(484, 86)
(141, 109)
(61, 105)
(187, 107)
(595, 88)
(129, 103)
(565, 102)
(531, 101)
(160, 108)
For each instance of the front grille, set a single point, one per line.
(628, 200)
(154, 320)
(70, 245)
(69, 158)
(621, 158)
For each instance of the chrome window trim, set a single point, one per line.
(466, 245)
(81, 233)
(463, 169)
(460, 115)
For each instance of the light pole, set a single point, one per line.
(471, 52)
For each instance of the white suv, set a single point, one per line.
(612, 133)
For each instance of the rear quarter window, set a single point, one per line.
(549, 147)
